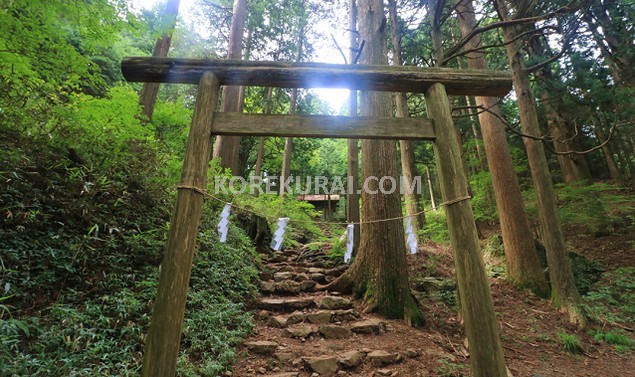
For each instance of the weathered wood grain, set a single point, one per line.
(318, 75)
(322, 126)
(486, 352)
(163, 341)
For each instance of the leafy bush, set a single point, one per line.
(436, 228)
(484, 208)
(80, 251)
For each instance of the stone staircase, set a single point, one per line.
(302, 333)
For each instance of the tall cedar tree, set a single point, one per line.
(288, 141)
(486, 352)
(563, 290)
(227, 148)
(523, 264)
(379, 273)
(352, 197)
(413, 199)
(150, 90)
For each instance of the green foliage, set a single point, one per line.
(80, 251)
(483, 207)
(436, 228)
(598, 207)
(272, 207)
(338, 249)
(619, 339)
(570, 342)
(449, 368)
(612, 299)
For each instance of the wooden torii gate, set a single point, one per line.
(162, 344)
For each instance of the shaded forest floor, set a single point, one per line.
(537, 339)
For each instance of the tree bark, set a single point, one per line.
(288, 141)
(150, 90)
(352, 197)
(564, 293)
(261, 140)
(522, 262)
(379, 273)
(163, 341)
(227, 148)
(574, 167)
(414, 209)
(618, 50)
(615, 173)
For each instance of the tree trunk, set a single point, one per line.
(163, 341)
(413, 199)
(626, 156)
(618, 49)
(379, 273)
(150, 90)
(522, 262)
(352, 197)
(563, 290)
(261, 140)
(227, 148)
(481, 158)
(574, 167)
(615, 173)
(288, 141)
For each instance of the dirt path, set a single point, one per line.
(300, 333)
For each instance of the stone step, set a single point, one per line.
(320, 317)
(335, 302)
(301, 331)
(287, 287)
(284, 304)
(262, 347)
(380, 358)
(369, 326)
(335, 332)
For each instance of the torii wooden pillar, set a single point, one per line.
(162, 345)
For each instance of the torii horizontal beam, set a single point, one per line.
(323, 126)
(318, 75)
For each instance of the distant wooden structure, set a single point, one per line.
(162, 344)
(325, 203)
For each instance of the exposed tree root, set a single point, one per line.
(405, 307)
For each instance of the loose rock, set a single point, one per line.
(334, 303)
(319, 318)
(379, 358)
(300, 332)
(324, 365)
(335, 332)
(350, 359)
(370, 326)
(262, 347)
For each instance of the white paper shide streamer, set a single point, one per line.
(223, 224)
(278, 236)
(349, 244)
(411, 240)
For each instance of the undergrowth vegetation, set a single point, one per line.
(81, 247)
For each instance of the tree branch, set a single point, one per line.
(546, 138)
(506, 23)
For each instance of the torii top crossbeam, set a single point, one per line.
(318, 75)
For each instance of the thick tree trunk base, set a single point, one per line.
(363, 286)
